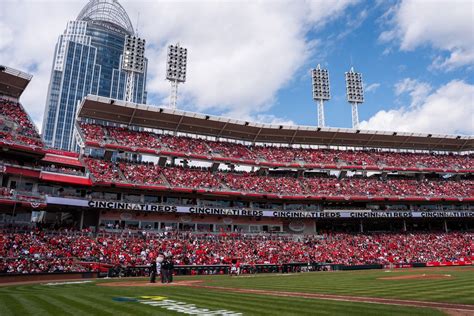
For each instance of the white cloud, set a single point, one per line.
(321, 12)
(272, 119)
(448, 110)
(416, 89)
(353, 23)
(372, 87)
(239, 55)
(28, 33)
(444, 25)
(6, 36)
(240, 52)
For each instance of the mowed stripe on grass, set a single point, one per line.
(457, 288)
(466, 308)
(266, 305)
(92, 300)
(89, 299)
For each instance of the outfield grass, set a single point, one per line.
(89, 299)
(459, 288)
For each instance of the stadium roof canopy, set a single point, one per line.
(13, 82)
(121, 112)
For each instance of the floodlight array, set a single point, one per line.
(134, 54)
(354, 87)
(320, 84)
(176, 63)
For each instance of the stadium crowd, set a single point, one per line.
(22, 130)
(43, 251)
(103, 170)
(61, 169)
(391, 187)
(14, 112)
(251, 182)
(93, 132)
(142, 173)
(191, 178)
(285, 184)
(187, 145)
(126, 137)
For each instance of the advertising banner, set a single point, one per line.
(163, 208)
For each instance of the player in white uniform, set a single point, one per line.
(159, 260)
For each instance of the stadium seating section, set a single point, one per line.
(142, 173)
(144, 141)
(103, 170)
(15, 125)
(39, 251)
(109, 172)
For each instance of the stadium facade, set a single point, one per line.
(250, 177)
(87, 60)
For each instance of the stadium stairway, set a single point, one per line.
(165, 181)
(119, 171)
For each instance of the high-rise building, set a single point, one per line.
(88, 60)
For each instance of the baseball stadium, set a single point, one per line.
(137, 209)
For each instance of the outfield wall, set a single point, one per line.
(279, 268)
(218, 270)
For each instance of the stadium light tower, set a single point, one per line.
(176, 70)
(320, 91)
(133, 61)
(355, 94)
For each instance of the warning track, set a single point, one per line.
(451, 309)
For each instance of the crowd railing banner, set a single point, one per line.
(199, 210)
(449, 263)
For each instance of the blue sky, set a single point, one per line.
(382, 67)
(251, 59)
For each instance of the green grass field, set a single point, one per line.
(90, 299)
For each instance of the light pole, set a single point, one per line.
(355, 94)
(133, 62)
(176, 70)
(321, 93)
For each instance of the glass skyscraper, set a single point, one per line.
(87, 60)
